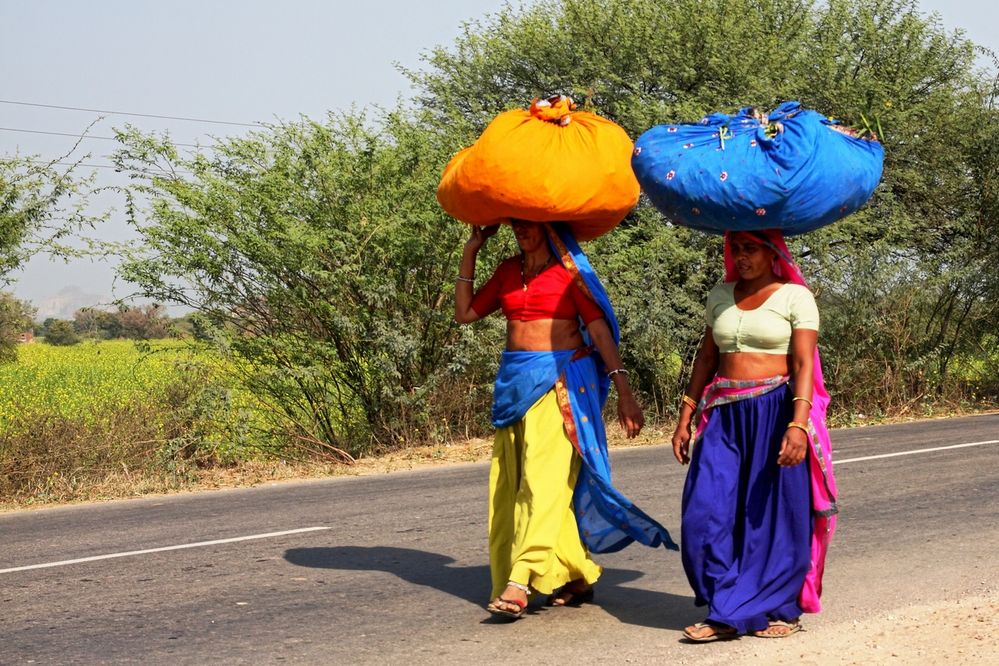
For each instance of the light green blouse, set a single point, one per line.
(766, 329)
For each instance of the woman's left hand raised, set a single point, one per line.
(629, 415)
(792, 447)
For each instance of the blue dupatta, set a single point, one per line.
(608, 521)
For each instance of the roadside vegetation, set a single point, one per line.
(81, 416)
(319, 268)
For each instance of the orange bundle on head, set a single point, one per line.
(547, 164)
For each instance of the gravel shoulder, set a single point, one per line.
(960, 631)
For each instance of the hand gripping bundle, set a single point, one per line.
(546, 164)
(789, 171)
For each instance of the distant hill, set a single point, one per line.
(68, 300)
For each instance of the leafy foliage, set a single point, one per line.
(60, 333)
(15, 318)
(132, 322)
(315, 254)
(41, 206)
(643, 62)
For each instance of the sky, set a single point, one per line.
(231, 60)
(237, 61)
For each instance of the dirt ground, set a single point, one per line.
(959, 632)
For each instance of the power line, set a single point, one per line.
(127, 113)
(106, 166)
(81, 136)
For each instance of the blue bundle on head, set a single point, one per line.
(729, 173)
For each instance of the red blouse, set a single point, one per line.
(552, 294)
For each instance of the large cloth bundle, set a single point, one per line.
(790, 171)
(546, 164)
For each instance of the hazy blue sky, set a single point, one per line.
(230, 60)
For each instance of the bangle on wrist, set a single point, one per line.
(611, 373)
(796, 424)
(803, 400)
(462, 278)
(687, 400)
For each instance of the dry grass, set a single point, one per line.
(90, 479)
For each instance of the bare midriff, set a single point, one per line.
(752, 365)
(543, 335)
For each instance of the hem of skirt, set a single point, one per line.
(787, 613)
(548, 583)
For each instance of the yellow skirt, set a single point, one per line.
(533, 537)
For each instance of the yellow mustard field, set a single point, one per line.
(87, 419)
(88, 382)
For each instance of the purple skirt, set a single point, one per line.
(747, 521)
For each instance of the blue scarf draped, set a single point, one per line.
(608, 521)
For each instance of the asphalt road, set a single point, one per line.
(398, 572)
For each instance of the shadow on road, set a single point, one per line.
(629, 605)
(645, 608)
(414, 566)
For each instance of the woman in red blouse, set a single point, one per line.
(534, 541)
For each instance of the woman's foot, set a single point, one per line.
(702, 632)
(779, 629)
(512, 603)
(573, 593)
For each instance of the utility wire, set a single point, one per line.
(107, 166)
(127, 113)
(82, 136)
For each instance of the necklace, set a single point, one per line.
(523, 276)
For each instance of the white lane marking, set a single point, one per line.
(199, 544)
(837, 463)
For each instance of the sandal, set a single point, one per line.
(513, 615)
(564, 596)
(720, 633)
(788, 629)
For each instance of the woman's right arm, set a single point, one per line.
(705, 367)
(464, 286)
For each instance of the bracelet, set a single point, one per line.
(795, 424)
(803, 400)
(687, 400)
(520, 587)
(462, 278)
(615, 371)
